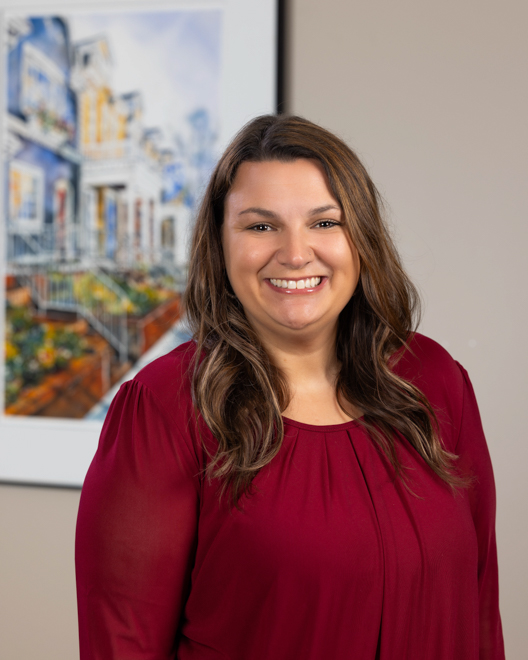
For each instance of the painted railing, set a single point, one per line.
(55, 278)
(63, 291)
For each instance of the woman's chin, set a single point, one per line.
(298, 325)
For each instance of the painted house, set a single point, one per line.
(122, 163)
(42, 162)
(98, 213)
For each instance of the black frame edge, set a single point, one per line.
(280, 92)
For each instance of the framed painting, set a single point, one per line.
(112, 118)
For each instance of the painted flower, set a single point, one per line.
(47, 356)
(11, 351)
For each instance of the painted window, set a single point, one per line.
(103, 124)
(86, 118)
(62, 216)
(110, 223)
(167, 233)
(43, 92)
(26, 197)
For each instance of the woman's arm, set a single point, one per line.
(136, 532)
(474, 459)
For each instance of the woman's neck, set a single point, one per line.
(311, 369)
(304, 356)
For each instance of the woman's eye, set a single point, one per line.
(328, 223)
(260, 227)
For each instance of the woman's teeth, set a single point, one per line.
(308, 283)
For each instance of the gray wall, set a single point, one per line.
(433, 96)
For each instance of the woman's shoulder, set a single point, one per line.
(173, 368)
(168, 381)
(161, 393)
(429, 366)
(426, 360)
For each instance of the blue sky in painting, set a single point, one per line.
(172, 57)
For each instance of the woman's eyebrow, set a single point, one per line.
(265, 213)
(324, 209)
(259, 211)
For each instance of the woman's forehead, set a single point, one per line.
(300, 182)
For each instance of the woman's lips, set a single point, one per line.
(301, 286)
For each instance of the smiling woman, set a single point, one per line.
(293, 274)
(298, 270)
(308, 477)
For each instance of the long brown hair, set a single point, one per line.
(237, 389)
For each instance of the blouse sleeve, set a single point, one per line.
(474, 459)
(136, 532)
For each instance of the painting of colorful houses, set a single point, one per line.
(110, 132)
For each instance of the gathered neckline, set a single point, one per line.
(323, 427)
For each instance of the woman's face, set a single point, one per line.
(287, 252)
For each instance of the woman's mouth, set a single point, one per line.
(293, 285)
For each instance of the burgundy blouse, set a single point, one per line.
(331, 558)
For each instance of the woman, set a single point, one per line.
(308, 478)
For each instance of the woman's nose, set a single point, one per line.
(295, 250)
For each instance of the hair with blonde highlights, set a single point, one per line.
(236, 387)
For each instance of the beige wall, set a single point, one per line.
(433, 96)
(38, 616)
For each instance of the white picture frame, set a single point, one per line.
(54, 451)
